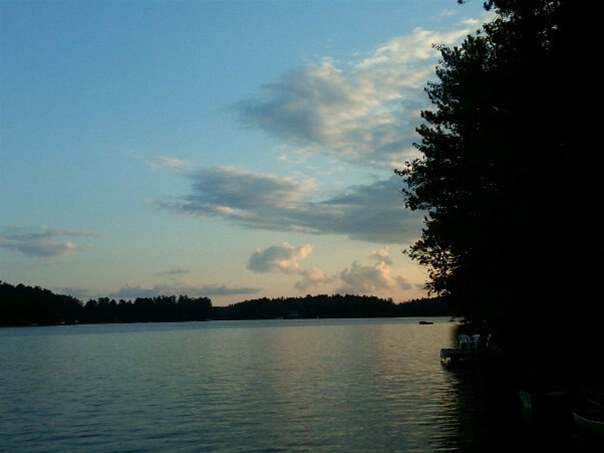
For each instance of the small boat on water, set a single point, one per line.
(589, 415)
(424, 323)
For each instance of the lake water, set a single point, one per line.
(238, 386)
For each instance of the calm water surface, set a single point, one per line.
(235, 386)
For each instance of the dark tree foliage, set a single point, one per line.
(149, 309)
(331, 306)
(24, 305)
(507, 178)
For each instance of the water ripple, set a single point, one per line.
(324, 385)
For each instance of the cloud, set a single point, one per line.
(370, 279)
(283, 258)
(361, 279)
(365, 279)
(312, 278)
(363, 111)
(404, 284)
(43, 242)
(173, 272)
(279, 258)
(166, 161)
(372, 212)
(381, 255)
(175, 288)
(79, 293)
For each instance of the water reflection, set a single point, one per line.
(316, 385)
(484, 414)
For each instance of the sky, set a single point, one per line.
(227, 149)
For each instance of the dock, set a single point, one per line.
(454, 357)
(471, 350)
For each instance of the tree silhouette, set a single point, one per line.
(23, 306)
(507, 181)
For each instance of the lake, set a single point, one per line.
(240, 386)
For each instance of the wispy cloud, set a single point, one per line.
(82, 294)
(176, 288)
(363, 111)
(173, 272)
(44, 242)
(371, 212)
(166, 161)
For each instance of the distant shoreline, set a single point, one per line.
(22, 305)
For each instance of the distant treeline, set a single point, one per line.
(334, 306)
(22, 305)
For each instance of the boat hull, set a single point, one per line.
(590, 416)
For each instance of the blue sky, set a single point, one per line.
(232, 149)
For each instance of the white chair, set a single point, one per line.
(465, 342)
(488, 342)
(475, 340)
